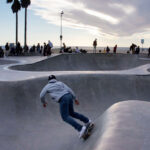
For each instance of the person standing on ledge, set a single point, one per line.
(62, 94)
(94, 45)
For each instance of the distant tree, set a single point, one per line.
(16, 6)
(25, 4)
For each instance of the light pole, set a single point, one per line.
(61, 37)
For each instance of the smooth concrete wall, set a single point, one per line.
(85, 62)
(4, 62)
(25, 124)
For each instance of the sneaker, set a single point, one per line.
(90, 122)
(82, 131)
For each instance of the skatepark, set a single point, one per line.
(113, 91)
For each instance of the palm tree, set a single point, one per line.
(25, 4)
(16, 6)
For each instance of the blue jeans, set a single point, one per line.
(68, 114)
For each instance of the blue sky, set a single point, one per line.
(112, 22)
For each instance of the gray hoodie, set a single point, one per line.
(56, 90)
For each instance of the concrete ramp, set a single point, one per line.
(125, 126)
(26, 125)
(4, 62)
(85, 62)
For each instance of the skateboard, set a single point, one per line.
(88, 131)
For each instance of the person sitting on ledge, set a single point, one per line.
(77, 50)
(66, 49)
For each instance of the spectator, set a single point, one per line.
(49, 47)
(45, 50)
(77, 50)
(137, 51)
(132, 48)
(1, 52)
(104, 50)
(48, 51)
(149, 51)
(38, 48)
(94, 45)
(32, 49)
(50, 44)
(26, 49)
(7, 49)
(41, 50)
(66, 49)
(12, 50)
(107, 49)
(83, 51)
(115, 49)
(19, 49)
(128, 51)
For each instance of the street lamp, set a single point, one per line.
(61, 37)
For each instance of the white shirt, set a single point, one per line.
(50, 44)
(56, 90)
(77, 50)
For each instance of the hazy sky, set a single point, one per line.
(112, 22)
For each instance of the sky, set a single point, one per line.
(121, 22)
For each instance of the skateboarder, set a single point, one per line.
(61, 93)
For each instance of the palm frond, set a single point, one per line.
(16, 6)
(9, 1)
(25, 3)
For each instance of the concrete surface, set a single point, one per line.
(7, 74)
(4, 62)
(26, 125)
(117, 101)
(85, 62)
